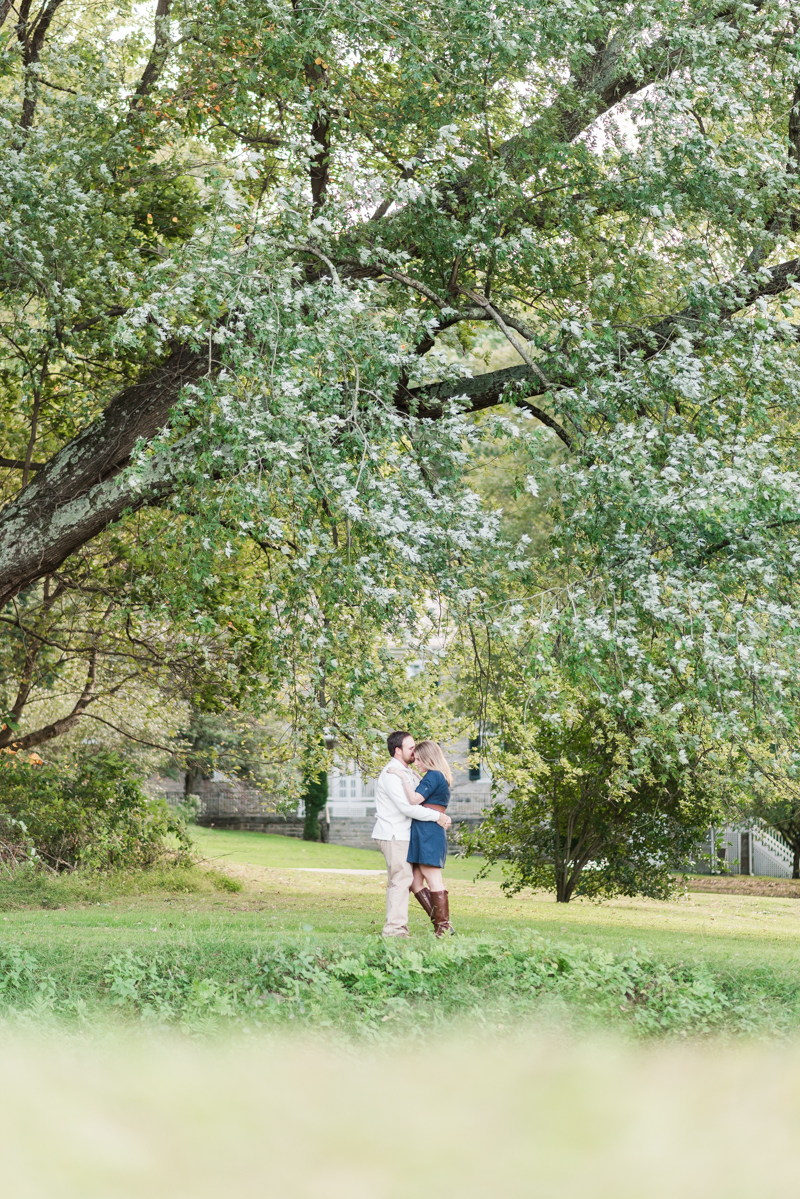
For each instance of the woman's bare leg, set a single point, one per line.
(433, 876)
(418, 881)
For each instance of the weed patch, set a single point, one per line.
(366, 991)
(223, 882)
(33, 888)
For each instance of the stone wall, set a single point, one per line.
(352, 831)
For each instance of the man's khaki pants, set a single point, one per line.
(398, 885)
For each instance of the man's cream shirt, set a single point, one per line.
(393, 812)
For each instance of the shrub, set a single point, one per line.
(94, 814)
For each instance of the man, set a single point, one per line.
(393, 816)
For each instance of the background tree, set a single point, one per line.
(578, 821)
(259, 752)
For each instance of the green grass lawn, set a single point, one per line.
(281, 892)
(746, 930)
(251, 892)
(264, 849)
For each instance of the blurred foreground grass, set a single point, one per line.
(469, 1117)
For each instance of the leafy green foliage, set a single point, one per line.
(368, 991)
(236, 744)
(94, 815)
(168, 208)
(382, 981)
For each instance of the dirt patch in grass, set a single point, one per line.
(737, 884)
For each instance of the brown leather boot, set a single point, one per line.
(423, 898)
(441, 913)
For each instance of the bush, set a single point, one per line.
(94, 814)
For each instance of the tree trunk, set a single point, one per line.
(192, 779)
(796, 860)
(567, 886)
(80, 490)
(563, 888)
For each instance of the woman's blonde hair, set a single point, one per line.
(429, 755)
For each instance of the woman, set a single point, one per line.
(427, 849)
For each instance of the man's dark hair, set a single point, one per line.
(395, 740)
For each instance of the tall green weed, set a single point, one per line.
(360, 989)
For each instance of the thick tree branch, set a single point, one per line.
(483, 391)
(81, 490)
(152, 744)
(723, 302)
(595, 88)
(737, 538)
(158, 56)
(600, 85)
(495, 387)
(19, 464)
(324, 258)
(32, 41)
(58, 727)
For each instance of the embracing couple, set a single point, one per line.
(410, 830)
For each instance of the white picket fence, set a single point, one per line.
(754, 849)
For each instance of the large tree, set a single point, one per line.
(235, 268)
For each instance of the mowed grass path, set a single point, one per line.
(283, 893)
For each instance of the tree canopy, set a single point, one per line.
(243, 259)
